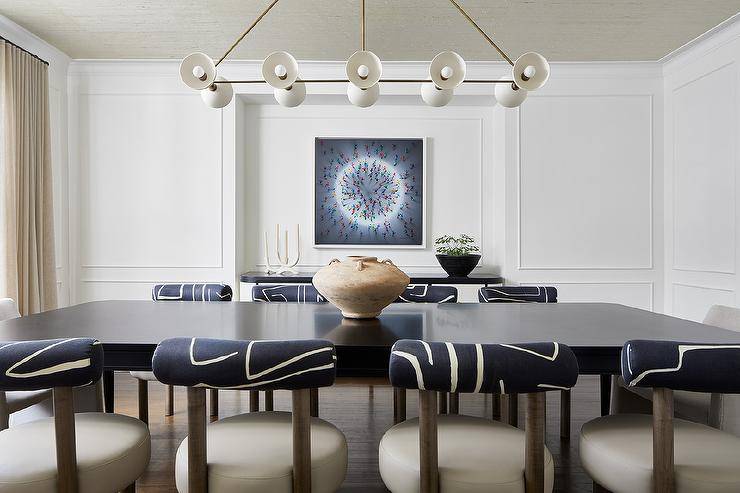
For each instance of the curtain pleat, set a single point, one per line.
(27, 263)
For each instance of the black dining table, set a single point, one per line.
(131, 330)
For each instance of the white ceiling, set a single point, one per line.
(563, 30)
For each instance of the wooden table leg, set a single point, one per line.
(108, 390)
(606, 393)
(454, 403)
(254, 401)
(143, 400)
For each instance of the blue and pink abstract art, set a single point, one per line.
(369, 192)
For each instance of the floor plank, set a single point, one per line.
(363, 414)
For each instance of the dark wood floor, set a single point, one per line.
(363, 414)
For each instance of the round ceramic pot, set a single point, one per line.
(458, 265)
(360, 286)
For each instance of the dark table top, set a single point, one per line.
(433, 278)
(130, 330)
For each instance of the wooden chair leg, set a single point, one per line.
(663, 468)
(428, 452)
(510, 409)
(496, 407)
(315, 403)
(254, 401)
(302, 441)
(442, 405)
(399, 405)
(269, 401)
(143, 401)
(197, 453)
(565, 414)
(4, 412)
(454, 403)
(64, 429)
(169, 407)
(534, 449)
(214, 403)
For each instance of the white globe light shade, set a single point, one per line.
(197, 71)
(292, 96)
(434, 96)
(531, 71)
(217, 95)
(364, 69)
(280, 69)
(447, 70)
(363, 97)
(508, 97)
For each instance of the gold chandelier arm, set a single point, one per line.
(362, 27)
(395, 81)
(483, 33)
(256, 21)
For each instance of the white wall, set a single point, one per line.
(165, 189)
(701, 180)
(58, 65)
(583, 162)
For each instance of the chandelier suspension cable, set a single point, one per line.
(390, 81)
(482, 32)
(244, 34)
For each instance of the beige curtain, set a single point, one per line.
(27, 265)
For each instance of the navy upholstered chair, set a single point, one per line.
(87, 452)
(254, 452)
(720, 411)
(618, 450)
(182, 291)
(462, 453)
(192, 291)
(518, 294)
(428, 294)
(16, 401)
(286, 293)
(508, 409)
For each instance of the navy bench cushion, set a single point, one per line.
(192, 291)
(518, 294)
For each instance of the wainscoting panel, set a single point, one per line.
(151, 182)
(635, 294)
(704, 150)
(693, 302)
(585, 182)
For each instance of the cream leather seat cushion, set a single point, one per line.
(112, 451)
(694, 406)
(21, 399)
(144, 375)
(254, 453)
(617, 452)
(475, 455)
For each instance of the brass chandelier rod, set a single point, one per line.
(394, 81)
(482, 32)
(256, 21)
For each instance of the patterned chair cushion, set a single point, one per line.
(36, 365)
(192, 291)
(295, 293)
(270, 365)
(486, 368)
(428, 294)
(682, 366)
(518, 294)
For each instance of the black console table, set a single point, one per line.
(467, 286)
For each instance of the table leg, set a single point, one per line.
(108, 390)
(606, 393)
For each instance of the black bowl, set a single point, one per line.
(458, 265)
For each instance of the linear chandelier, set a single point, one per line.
(364, 74)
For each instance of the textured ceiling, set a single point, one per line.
(563, 30)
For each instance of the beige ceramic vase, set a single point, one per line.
(360, 286)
